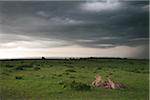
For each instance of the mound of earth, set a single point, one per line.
(108, 84)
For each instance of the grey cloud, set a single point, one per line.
(66, 21)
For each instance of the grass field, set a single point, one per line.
(51, 79)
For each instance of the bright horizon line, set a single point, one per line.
(73, 57)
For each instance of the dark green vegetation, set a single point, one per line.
(71, 79)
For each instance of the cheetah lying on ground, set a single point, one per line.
(108, 84)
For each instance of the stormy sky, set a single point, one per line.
(74, 29)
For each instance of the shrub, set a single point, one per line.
(66, 73)
(70, 66)
(50, 65)
(71, 77)
(94, 72)
(26, 66)
(9, 66)
(142, 68)
(99, 68)
(37, 68)
(79, 86)
(70, 70)
(59, 75)
(23, 66)
(110, 73)
(61, 82)
(18, 77)
(19, 68)
(43, 58)
(82, 67)
(137, 71)
(5, 73)
(54, 74)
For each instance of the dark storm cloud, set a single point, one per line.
(88, 24)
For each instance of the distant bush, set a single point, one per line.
(19, 68)
(71, 77)
(27, 66)
(76, 86)
(69, 66)
(70, 70)
(66, 73)
(43, 58)
(94, 72)
(50, 65)
(23, 66)
(114, 71)
(137, 71)
(54, 74)
(18, 77)
(142, 68)
(37, 68)
(82, 67)
(61, 82)
(59, 75)
(99, 68)
(110, 73)
(4, 73)
(9, 66)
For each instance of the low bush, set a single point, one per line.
(37, 68)
(138, 71)
(69, 66)
(18, 77)
(71, 77)
(50, 65)
(9, 66)
(4, 73)
(95, 72)
(66, 73)
(26, 66)
(70, 70)
(23, 66)
(78, 86)
(19, 68)
(99, 68)
(59, 75)
(61, 82)
(82, 67)
(142, 69)
(110, 73)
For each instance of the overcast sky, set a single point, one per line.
(74, 29)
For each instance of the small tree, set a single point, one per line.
(43, 58)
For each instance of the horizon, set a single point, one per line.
(53, 58)
(74, 29)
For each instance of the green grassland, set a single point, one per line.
(52, 79)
